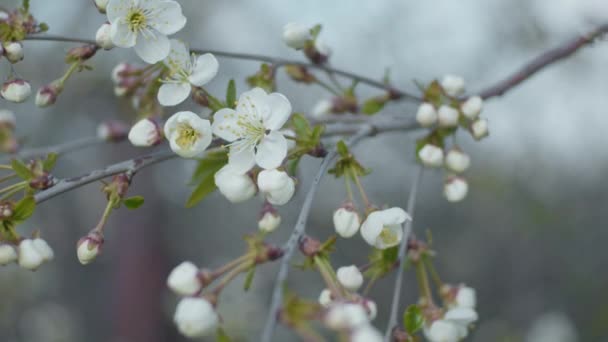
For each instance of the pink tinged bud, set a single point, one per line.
(350, 277)
(81, 53)
(269, 222)
(7, 118)
(447, 116)
(195, 317)
(145, 133)
(16, 90)
(426, 115)
(431, 155)
(13, 52)
(184, 279)
(479, 129)
(457, 161)
(101, 5)
(113, 130)
(48, 94)
(8, 254)
(103, 37)
(122, 71)
(455, 189)
(89, 247)
(346, 221)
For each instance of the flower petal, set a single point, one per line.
(171, 94)
(121, 35)
(153, 48)
(271, 151)
(206, 68)
(280, 110)
(241, 160)
(225, 124)
(254, 103)
(371, 228)
(169, 18)
(117, 9)
(179, 55)
(394, 215)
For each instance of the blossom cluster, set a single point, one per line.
(29, 254)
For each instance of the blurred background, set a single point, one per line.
(530, 237)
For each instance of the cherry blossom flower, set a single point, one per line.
(426, 115)
(146, 132)
(185, 71)
(277, 186)
(350, 277)
(195, 317)
(447, 116)
(145, 25)
(103, 36)
(296, 35)
(431, 155)
(479, 128)
(188, 134)
(8, 254)
(16, 90)
(453, 85)
(13, 52)
(457, 161)
(455, 189)
(253, 130)
(383, 228)
(346, 221)
(236, 187)
(472, 107)
(184, 279)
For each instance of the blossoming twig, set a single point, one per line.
(298, 231)
(401, 256)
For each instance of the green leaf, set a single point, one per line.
(249, 279)
(221, 336)
(342, 148)
(390, 255)
(292, 166)
(314, 32)
(49, 163)
(212, 162)
(204, 188)
(21, 169)
(372, 106)
(43, 27)
(24, 209)
(26, 5)
(413, 319)
(231, 94)
(133, 202)
(300, 124)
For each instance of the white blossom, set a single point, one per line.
(472, 107)
(195, 317)
(346, 221)
(426, 115)
(322, 109)
(442, 331)
(453, 85)
(145, 25)
(146, 132)
(103, 36)
(235, 186)
(33, 252)
(325, 298)
(296, 35)
(366, 333)
(465, 297)
(455, 189)
(253, 130)
(431, 155)
(188, 134)
(342, 316)
(457, 160)
(47, 95)
(447, 116)
(7, 117)
(383, 228)
(350, 277)
(8, 254)
(184, 279)
(185, 71)
(16, 90)
(461, 315)
(13, 52)
(479, 128)
(277, 186)
(269, 222)
(44, 249)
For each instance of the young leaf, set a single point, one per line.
(413, 319)
(133, 202)
(204, 188)
(50, 161)
(24, 209)
(372, 106)
(231, 94)
(212, 162)
(21, 169)
(249, 279)
(221, 336)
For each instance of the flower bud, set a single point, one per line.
(431, 155)
(465, 297)
(455, 189)
(325, 298)
(343, 316)
(322, 109)
(322, 48)
(350, 277)
(479, 129)
(81, 53)
(426, 115)
(296, 35)
(346, 221)
(317, 53)
(13, 52)
(47, 95)
(145, 133)
(310, 246)
(42, 181)
(7, 118)
(442, 330)
(457, 160)
(269, 222)
(195, 317)
(448, 116)
(184, 279)
(44, 249)
(101, 5)
(122, 71)
(103, 37)
(276, 185)
(472, 107)
(33, 252)
(121, 91)
(300, 73)
(89, 247)
(452, 85)
(8, 254)
(235, 186)
(113, 130)
(16, 90)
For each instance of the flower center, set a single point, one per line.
(253, 130)
(136, 19)
(388, 237)
(187, 136)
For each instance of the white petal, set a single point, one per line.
(241, 160)
(253, 102)
(169, 19)
(179, 56)
(118, 9)
(371, 228)
(171, 94)
(395, 215)
(121, 35)
(152, 49)
(205, 70)
(280, 110)
(271, 151)
(225, 124)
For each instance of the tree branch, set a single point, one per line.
(298, 232)
(407, 230)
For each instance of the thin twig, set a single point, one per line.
(407, 229)
(298, 231)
